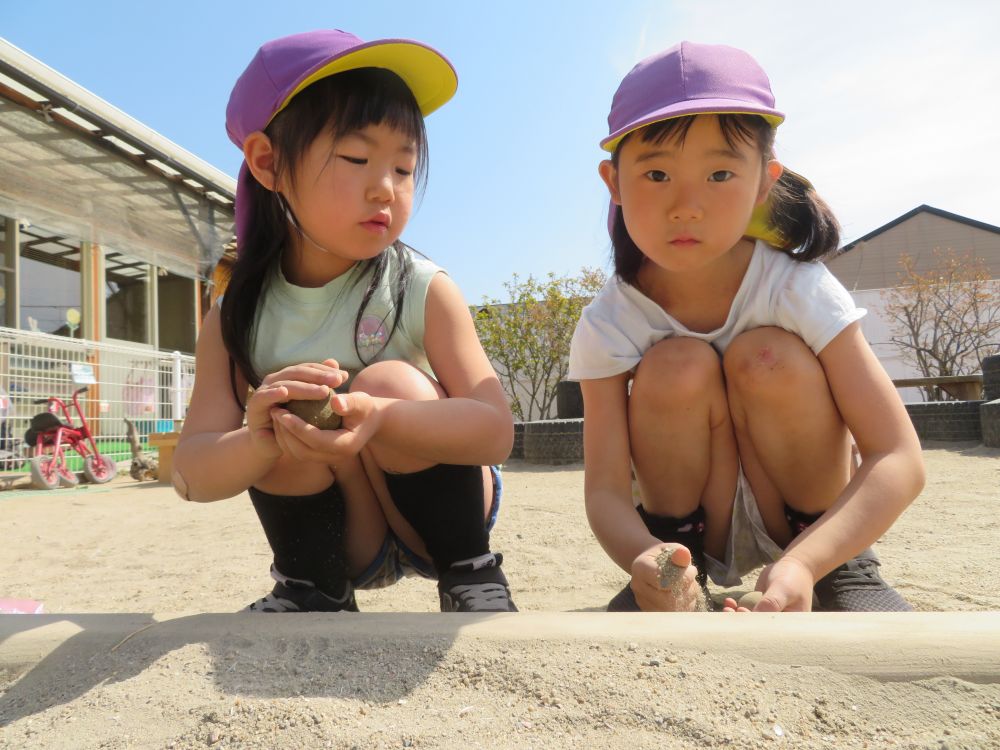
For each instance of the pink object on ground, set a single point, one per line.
(20, 607)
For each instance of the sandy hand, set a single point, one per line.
(672, 563)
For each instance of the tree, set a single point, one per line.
(945, 319)
(528, 338)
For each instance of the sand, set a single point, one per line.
(129, 559)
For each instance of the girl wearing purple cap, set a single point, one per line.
(326, 304)
(723, 367)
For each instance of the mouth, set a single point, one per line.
(378, 224)
(685, 240)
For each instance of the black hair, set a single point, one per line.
(337, 105)
(801, 217)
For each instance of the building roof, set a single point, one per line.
(78, 167)
(873, 261)
(64, 101)
(909, 215)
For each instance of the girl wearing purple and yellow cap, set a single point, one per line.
(326, 303)
(723, 367)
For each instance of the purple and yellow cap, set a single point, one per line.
(694, 79)
(284, 67)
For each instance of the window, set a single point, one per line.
(175, 296)
(51, 288)
(126, 297)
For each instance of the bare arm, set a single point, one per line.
(892, 469)
(217, 457)
(607, 471)
(473, 425)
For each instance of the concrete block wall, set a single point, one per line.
(946, 420)
(560, 441)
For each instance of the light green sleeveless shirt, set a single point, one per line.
(298, 324)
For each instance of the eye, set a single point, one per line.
(657, 175)
(722, 175)
(403, 172)
(353, 159)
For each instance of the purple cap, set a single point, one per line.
(689, 79)
(283, 67)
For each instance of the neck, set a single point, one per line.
(305, 265)
(719, 279)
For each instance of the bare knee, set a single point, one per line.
(397, 379)
(677, 370)
(770, 362)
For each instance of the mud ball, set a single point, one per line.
(750, 600)
(317, 412)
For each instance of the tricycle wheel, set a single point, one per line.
(44, 472)
(99, 469)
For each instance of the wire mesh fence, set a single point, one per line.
(148, 387)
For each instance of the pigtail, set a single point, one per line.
(259, 258)
(803, 219)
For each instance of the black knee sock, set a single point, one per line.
(306, 534)
(444, 505)
(689, 531)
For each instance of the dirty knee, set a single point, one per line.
(770, 361)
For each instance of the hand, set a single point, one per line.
(304, 442)
(306, 381)
(787, 586)
(682, 596)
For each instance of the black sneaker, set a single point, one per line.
(856, 586)
(624, 601)
(295, 595)
(476, 585)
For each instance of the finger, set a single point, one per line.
(280, 438)
(344, 404)
(298, 448)
(681, 556)
(296, 389)
(307, 373)
(266, 396)
(772, 601)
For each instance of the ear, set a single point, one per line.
(772, 172)
(609, 173)
(259, 155)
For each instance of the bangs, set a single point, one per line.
(346, 103)
(736, 129)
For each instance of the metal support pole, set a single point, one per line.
(176, 387)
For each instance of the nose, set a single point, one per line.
(381, 190)
(686, 206)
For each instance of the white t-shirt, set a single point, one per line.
(621, 323)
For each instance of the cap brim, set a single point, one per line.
(698, 107)
(425, 71)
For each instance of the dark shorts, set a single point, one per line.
(395, 560)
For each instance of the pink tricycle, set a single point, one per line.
(49, 435)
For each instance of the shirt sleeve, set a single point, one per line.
(601, 346)
(814, 305)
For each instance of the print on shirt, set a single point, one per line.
(371, 336)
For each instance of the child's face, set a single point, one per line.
(686, 204)
(354, 196)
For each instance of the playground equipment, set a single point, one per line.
(51, 433)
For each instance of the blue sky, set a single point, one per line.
(890, 104)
